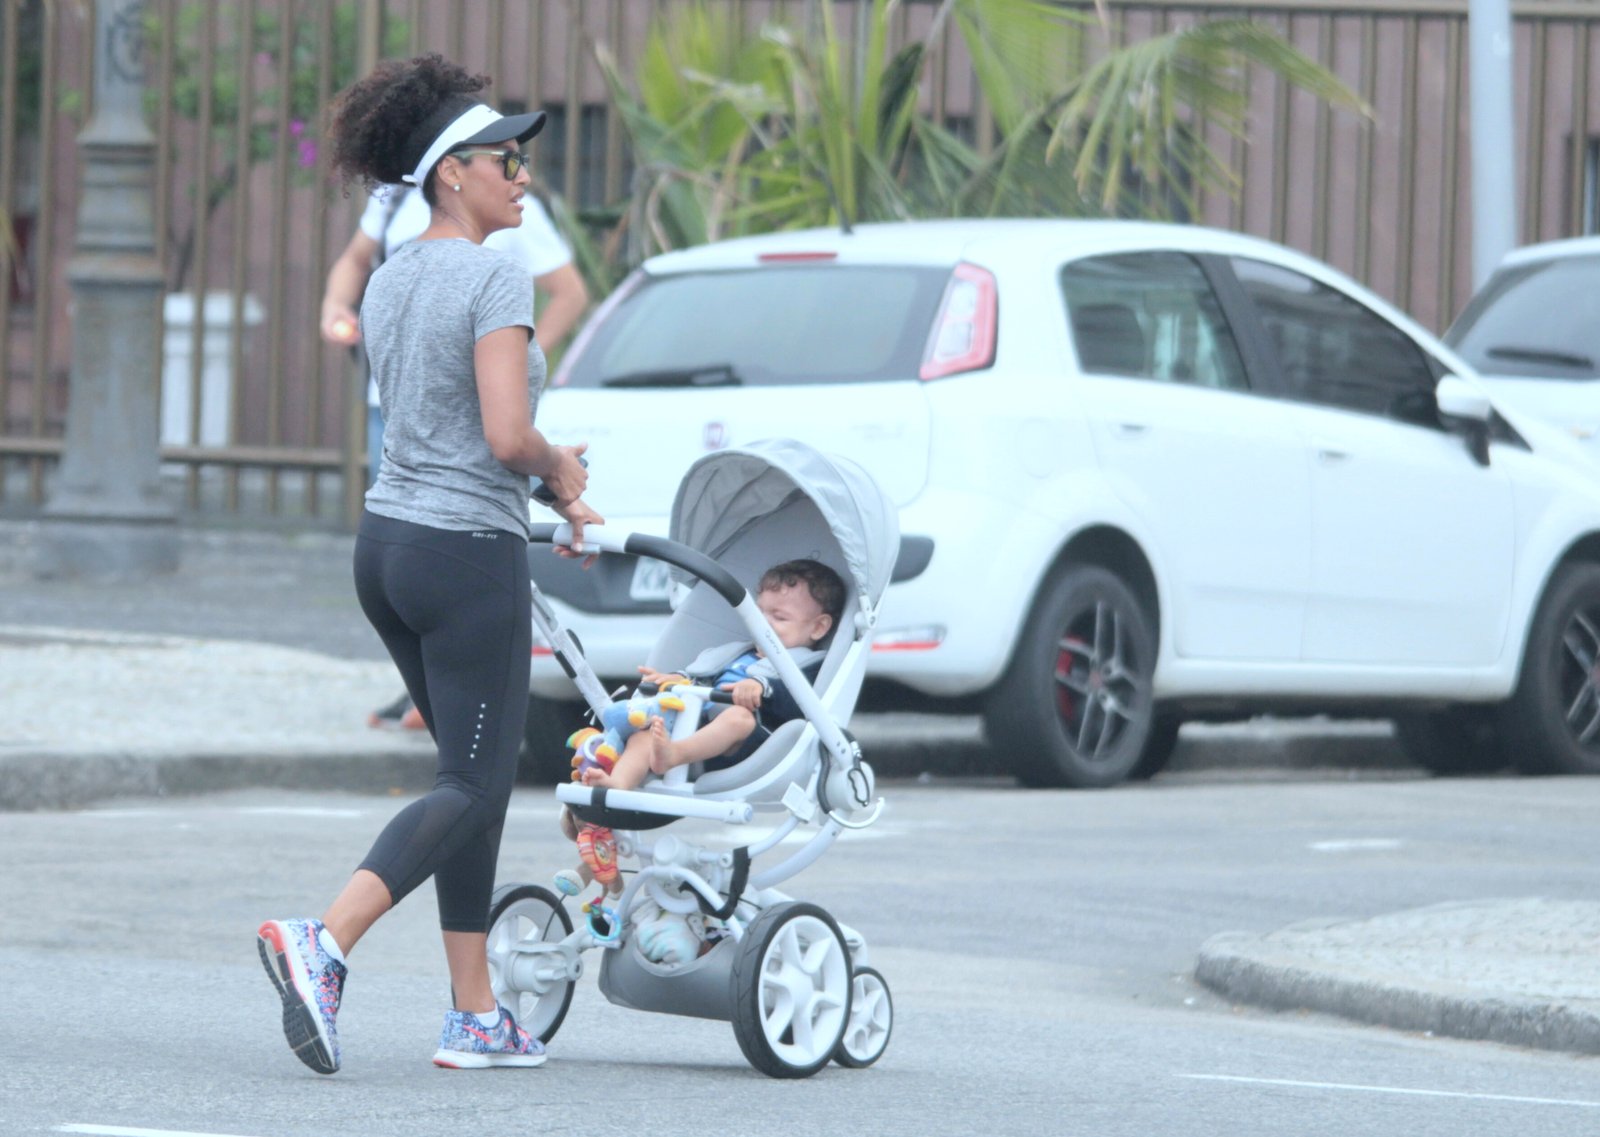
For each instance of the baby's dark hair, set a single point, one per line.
(383, 124)
(824, 584)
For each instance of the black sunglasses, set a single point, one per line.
(512, 162)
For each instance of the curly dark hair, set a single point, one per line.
(823, 583)
(382, 125)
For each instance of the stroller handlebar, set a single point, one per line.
(597, 539)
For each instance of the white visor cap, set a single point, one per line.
(478, 124)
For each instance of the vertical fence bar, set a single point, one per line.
(1405, 236)
(1320, 201)
(43, 295)
(1239, 146)
(458, 31)
(1365, 147)
(326, 49)
(1538, 97)
(1580, 129)
(243, 151)
(166, 133)
(1282, 105)
(416, 41)
(617, 37)
(198, 250)
(1450, 175)
(495, 47)
(277, 292)
(574, 101)
(10, 261)
(536, 54)
(352, 390)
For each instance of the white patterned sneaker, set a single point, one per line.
(310, 982)
(465, 1044)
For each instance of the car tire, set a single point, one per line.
(1554, 714)
(546, 759)
(1459, 740)
(1158, 748)
(1085, 727)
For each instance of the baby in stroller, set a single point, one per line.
(802, 600)
(688, 928)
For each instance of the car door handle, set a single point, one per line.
(1330, 455)
(1133, 429)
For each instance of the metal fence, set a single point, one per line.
(260, 419)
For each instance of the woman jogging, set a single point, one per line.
(441, 552)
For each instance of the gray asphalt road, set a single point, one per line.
(1039, 945)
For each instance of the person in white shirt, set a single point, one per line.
(396, 216)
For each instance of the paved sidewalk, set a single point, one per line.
(1522, 971)
(89, 715)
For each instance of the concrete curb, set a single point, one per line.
(908, 746)
(72, 780)
(1252, 969)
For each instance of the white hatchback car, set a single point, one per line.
(1146, 474)
(1532, 333)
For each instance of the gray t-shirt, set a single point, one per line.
(424, 310)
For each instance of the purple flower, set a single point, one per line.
(297, 127)
(308, 153)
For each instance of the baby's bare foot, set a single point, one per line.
(597, 777)
(661, 755)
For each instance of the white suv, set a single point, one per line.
(1146, 474)
(1532, 332)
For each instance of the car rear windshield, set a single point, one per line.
(1535, 320)
(772, 326)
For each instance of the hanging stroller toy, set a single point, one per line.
(705, 932)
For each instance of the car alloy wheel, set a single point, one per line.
(1075, 708)
(1552, 722)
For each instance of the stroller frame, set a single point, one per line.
(796, 984)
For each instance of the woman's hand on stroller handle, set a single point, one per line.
(577, 514)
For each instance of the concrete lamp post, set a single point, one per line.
(106, 515)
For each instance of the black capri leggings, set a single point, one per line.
(453, 609)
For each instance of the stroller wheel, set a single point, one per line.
(791, 990)
(871, 1020)
(535, 987)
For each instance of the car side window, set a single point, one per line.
(1150, 316)
(1334, 350)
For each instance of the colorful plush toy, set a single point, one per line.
(598, 749)
(597, 853)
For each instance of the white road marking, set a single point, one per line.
(125, 1131)
(1399, 1090)
(1356, 844)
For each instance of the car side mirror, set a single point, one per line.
(1459, 399)
(1471, 409)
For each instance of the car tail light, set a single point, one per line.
(964, 333)
(909, 639)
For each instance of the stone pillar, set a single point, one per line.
(106, 515)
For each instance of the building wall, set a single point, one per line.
(1386, 199)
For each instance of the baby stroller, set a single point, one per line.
(795, 983)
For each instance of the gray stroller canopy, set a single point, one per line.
(727, 491)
